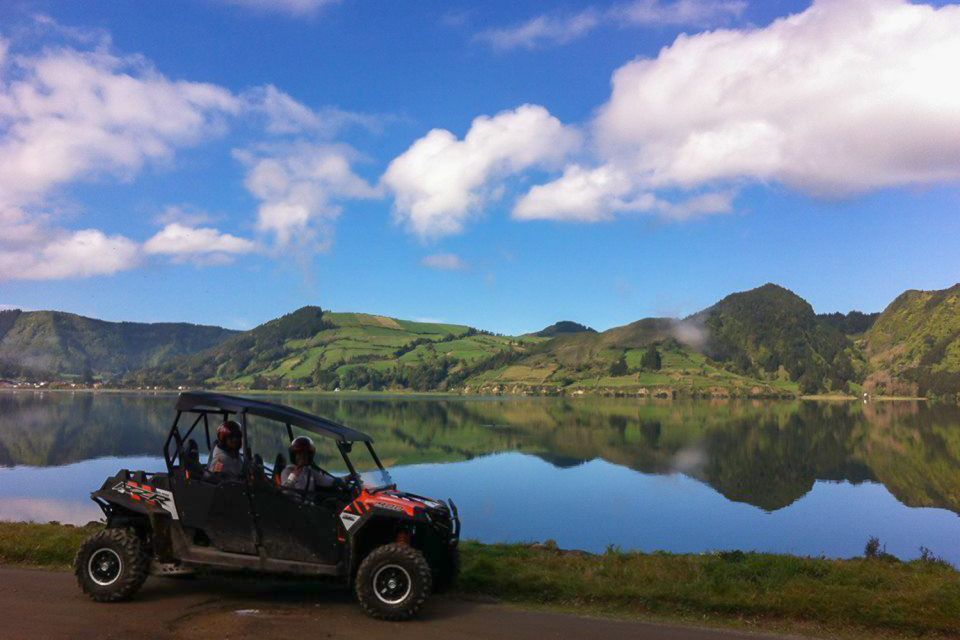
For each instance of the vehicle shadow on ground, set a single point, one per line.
(278, 595)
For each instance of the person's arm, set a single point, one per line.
(290, 476)
(327, 479)
(214, 469)
(214, 465)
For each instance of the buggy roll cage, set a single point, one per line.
(203, 404)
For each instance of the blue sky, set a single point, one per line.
(327, 153)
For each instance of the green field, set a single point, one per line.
(682, 371)
(352, 347)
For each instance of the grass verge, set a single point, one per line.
(43, 545)
(855, 598)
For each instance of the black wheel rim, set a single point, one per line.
(104, 567)
(392, 584)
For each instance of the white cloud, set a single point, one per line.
(848, 96)
(440, 181)
(183, 214)
(444, 262)
(75, 254)
(693, 13)
(43, 25)
(31, 249)
(544, 29)
(556, 29)
(182, 243)
(67, 114)
(596, 195)
(299, 186)
(580, 194)
(286, 115)
(295, 8)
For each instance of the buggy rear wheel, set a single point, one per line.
(111, 565)
(393, 582)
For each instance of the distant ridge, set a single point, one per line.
(51, 343)
(562, 328)
(851, 323)
(764, 342)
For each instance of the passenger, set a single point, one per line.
(302, 474)
(225, 462)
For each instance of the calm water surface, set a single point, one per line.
(798, 477)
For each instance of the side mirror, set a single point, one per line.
(347, 447)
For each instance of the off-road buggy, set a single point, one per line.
(392, 548)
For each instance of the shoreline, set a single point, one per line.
(446, 395)
(871, 597)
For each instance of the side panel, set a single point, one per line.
(292, 528)
(220, 511)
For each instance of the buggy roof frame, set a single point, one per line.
(205, 402)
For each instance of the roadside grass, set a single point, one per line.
(43, 545)
(875, 596)
(855, 597)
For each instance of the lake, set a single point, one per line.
(808, 478)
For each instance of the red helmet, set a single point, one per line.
(302, 443)
(229, 429)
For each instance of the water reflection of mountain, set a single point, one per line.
(767, 454)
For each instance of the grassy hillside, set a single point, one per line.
(914, 346)
(764, 342)
(313, 348)
(43, 343)
(767, 341)
(620, 361)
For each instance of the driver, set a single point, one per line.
(225, 463)
(302, 474)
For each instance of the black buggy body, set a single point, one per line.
(393, 548)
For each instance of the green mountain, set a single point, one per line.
(766, 341)
(315, 348)
(770, 330)
(563, 327)
(51, 343)
(914, 346)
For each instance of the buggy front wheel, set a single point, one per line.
(393, 582)
(111, 565)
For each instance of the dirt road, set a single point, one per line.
(46, 605)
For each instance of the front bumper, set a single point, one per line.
(454, 522)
